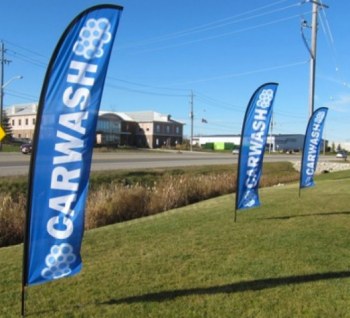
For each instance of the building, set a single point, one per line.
(156, 130)
(141, 129)
(22, 119)
(275, 142)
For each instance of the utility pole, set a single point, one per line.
(2, 84)
(191, 116)
(312, 50)
(2, 81)
(313, 58)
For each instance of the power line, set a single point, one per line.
(207, 26)
(244, 73)
(27, 59)
(149, 86)
(142, 92)
(25, 49)
(22, 95)
(218, 36)
(331, 43)
(216, 103)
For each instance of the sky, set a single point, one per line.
(217, 51)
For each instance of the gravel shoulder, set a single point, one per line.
(326, 166)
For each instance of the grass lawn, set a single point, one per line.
(10, 148)
(288, 258)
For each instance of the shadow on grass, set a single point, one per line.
(254, 285)
(304, 215)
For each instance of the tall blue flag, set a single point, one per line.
(63, 143)
(253, 142)
(312, 147)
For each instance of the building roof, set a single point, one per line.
(141, 116)
(22, 109)
(151, 116)
(121, 115)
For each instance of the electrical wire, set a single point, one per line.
(142, 92)
(149, 86)
(243, 73)
(25, 49)
(26, 59)
(217, 36)
(205, 27)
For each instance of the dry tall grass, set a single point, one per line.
(12, 219)
(117, 203)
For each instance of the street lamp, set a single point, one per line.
(11, 79)
(2, 96)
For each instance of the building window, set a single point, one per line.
(157, 142)
(158, 128)
(33, 121)
(27, 121)
(177, 129)
(19, 122)
(168, 129)
(13, 122)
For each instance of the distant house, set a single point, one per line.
(116, 128)
(22, 119)
(142, 129)
(156, 130)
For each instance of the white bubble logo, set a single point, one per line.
(58, 261)
(308, 181)
(319, 117)
(249, 199)
(265, 98)
(92, 38)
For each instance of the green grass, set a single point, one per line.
(10, 148)
(287, 258)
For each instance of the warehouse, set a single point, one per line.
(275, 142)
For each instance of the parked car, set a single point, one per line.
(26, 148)
(235, 151)
(341, 154)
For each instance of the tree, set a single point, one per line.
(6, 126)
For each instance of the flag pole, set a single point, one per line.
(27, 220)
(23, 300)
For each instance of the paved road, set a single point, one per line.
(18, 164)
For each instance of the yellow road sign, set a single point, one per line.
(2, 133)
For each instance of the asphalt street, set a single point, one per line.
(18, 164)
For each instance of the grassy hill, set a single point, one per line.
(288, 258)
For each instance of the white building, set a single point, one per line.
(22, 119)
(342, 145)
